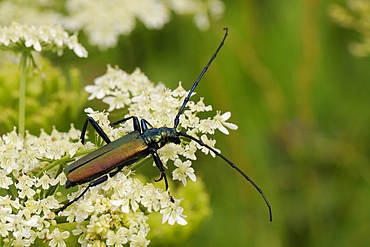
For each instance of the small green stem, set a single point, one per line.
(22, 93)
(61, 161)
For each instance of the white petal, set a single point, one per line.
(226, 116)
(231, 126)
(223, 130)
(192, 176)
(181, 220)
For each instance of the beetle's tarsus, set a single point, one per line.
(160, 177)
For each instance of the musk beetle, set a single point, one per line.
(95, 167)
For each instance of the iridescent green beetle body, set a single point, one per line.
(121, 152)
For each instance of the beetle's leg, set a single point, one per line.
(137, 127)
(144, 125)
(160, 166)
(92, 184)
(134, 119)
(97, 128)
(161, 169)
(74, 200)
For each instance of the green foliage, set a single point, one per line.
(54, 96)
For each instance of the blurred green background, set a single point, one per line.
(301, 102)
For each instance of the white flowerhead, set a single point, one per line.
(173, 214)
(119, 17)
(57, 238)
(27, 168)
(18, 37)
(183, 171)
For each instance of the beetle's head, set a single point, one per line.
(170, 135)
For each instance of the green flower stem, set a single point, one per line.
(65, 160)
(22, 93)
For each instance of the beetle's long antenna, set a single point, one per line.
(176, 121)
(182, 133)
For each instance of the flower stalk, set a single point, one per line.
(22, 91)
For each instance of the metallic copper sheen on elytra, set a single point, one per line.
(125, 150)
